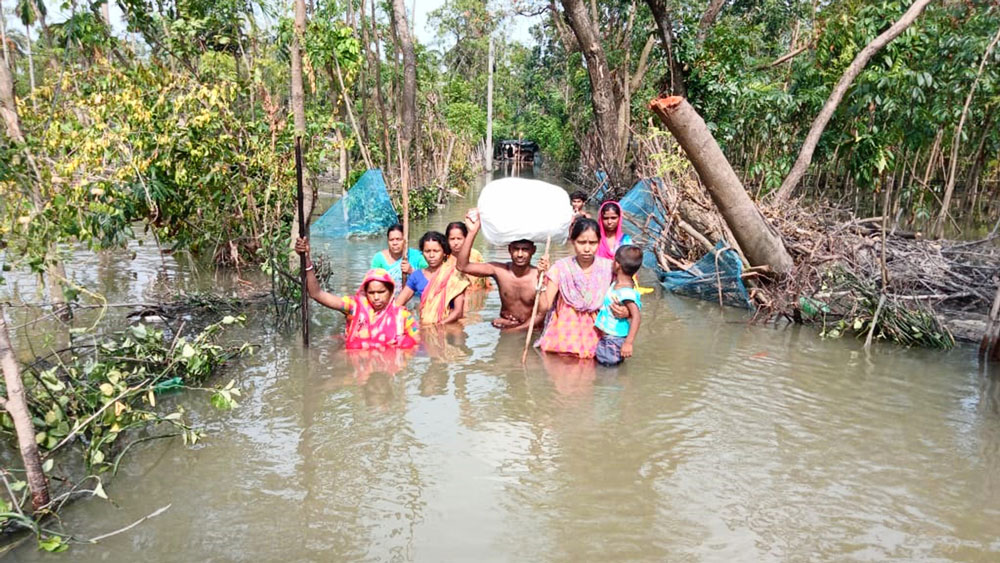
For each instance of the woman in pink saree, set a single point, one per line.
(374, 322)
(612, 236)
(575, 293)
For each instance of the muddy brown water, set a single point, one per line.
(718, 441)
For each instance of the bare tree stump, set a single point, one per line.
(989, 348)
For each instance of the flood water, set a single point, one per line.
(718, 441)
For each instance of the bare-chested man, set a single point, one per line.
(516, 280)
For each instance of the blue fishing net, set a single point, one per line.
(720, 269)
(644, 217)
(366, 210)
(602, 187)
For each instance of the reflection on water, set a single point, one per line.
(717, 441)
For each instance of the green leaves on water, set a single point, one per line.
(102, 395)
(854, 310)
(223, 399)
(53, 544)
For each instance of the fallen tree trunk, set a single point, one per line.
(759, 240)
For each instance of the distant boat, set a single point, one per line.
(515, 150)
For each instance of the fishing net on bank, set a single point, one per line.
(717, 276)
(365, 210)
(603, 188)
(644, 219)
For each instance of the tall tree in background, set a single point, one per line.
(665, 25)
(30, 12)
(606, 105)
(610, 88)
(408, 92)
(837, 94)
(299, 110)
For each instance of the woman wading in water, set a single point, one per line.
(440, 286)
(457, 232)
(374, 322)
(612, 236)
(575, 292)
(392, 259)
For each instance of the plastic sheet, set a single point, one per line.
(518, 208)
(366, 210)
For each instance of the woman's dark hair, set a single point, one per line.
(457, 225)
(438, 238)
(396, 227)
(611, 205)
(582, 225)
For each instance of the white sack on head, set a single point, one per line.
(516, 208)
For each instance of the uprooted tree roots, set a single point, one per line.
(932, 290)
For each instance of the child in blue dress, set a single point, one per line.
(617, 335)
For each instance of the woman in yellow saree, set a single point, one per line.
(440, 286)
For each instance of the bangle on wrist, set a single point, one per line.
(309, 267)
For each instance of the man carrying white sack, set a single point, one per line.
(516, 280)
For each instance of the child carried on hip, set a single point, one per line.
(618, 335)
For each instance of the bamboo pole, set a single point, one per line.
(534, 308)
(303, 233)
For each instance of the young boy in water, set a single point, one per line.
(617, 335)
(578, 199)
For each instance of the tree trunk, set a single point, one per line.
(3, 36)
(374, 60)
(759, 241)
(31, 67)
(855, 68)
(362, 144)
(16, 404)
(602, 89)
(489, 110)
(956, 141)
(989, 347)
(665, 24)
(708, 18)
(299, 118)
(54, 268)
(972, 181)
(408, 102)
(8, 105)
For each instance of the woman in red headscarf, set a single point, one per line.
(373, 321)
(612, 237)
